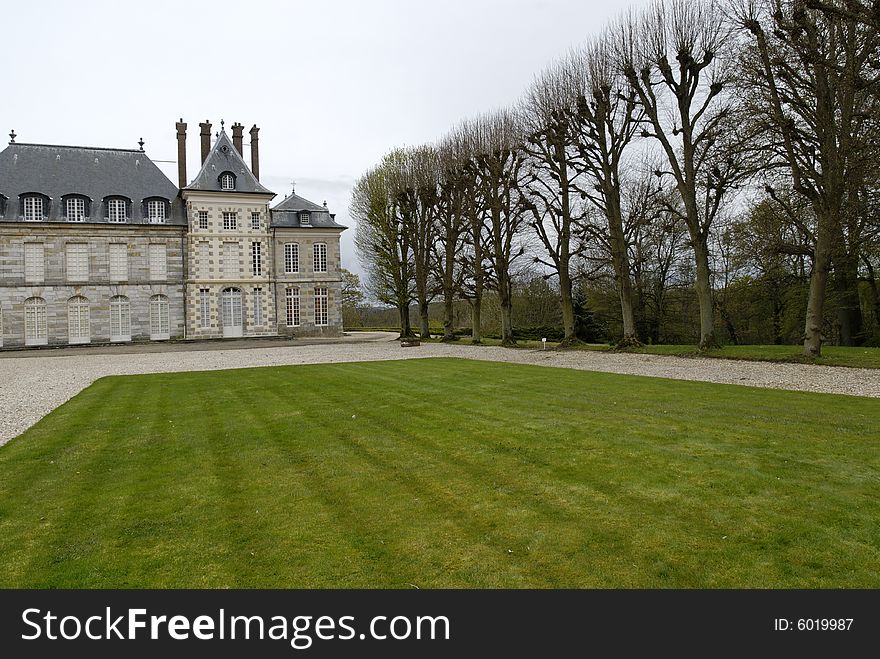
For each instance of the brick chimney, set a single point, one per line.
(238, 138)
(255, 151)
(181, 154)
(206, 139)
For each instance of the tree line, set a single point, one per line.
(726, 149)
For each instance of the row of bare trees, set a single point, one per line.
(671, 122)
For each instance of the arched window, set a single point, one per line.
(156, 210)
(120, 319)
(76, 207)
(34, 206)
(227, 181)
(78, 330)
(159, 325)
(35, 331)
(118, 209)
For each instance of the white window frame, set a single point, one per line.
(204, 308)
(159, 322)
(33, 210)
(117, 211)
(156, 211)
(291, 258)
(291, 296)
(322, 300)
(227, 182)
(79, 329)
(75, 209)
(158, 260)
(77, 261)
(305, 219)
(319, 257)
(257, 258)
(120, 319)
(203, 220)
(230, 221)
(255, 221)
(34, 263)
(258, 306)
(118, 260)
(35, 322)
(230, 266)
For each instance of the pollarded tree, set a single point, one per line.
(815, 77)
(498, 161)
(670, 57)
(382, 244)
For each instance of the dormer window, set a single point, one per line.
(117, 209)
(34, 207)
(76, 208)
(156, 211)
(227, 181)
(305, 220)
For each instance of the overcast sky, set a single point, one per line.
(332, 84)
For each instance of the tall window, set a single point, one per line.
(203, 219)
(205, 258)
(78, 320)
(116, 210)
(230, 221)
(291, 258)
(75, 209)
(33, 208)
(159, 326)
(34, 263)
(35, 330)
(156, 211)
(320, 305)
(320, 251)
(158, 262)
(230, 261)
(227, 181)
(77, 261)
(258, 306)
(120, 319)
(204, 308)
(255, 221)
(292, 296)
(257, 259)
(118, 262)
(305, 219)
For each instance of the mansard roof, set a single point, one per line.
(94, 172)
(287, 214)
(224, 157)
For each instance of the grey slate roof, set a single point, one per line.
(224, 158)
(286, 214)
(95, 172)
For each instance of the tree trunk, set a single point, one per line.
(405, 328)
(448, 313)
(506, 315)
(567, 302)
(423, 319)
(704, 297)
(816, 297)
(620, 261)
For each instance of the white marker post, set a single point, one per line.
(544, 343)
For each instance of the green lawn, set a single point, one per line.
(441, 473)
(831, 355)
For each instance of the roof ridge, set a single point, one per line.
(73, 146)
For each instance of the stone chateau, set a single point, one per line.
(99, 246)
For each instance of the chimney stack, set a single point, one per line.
(238, 138)
(181, 154)
(206, 139)
(255, 152)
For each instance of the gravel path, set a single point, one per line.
(32, 386)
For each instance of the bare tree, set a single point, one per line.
(669, 55)
(498, 164)
(382, 243)
(816, 75)
(548, 186)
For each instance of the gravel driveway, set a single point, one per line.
(32, 385)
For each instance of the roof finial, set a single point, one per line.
(325, 203)
(293, 187)
(141, 143)
(221, 124)
(12, 136)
